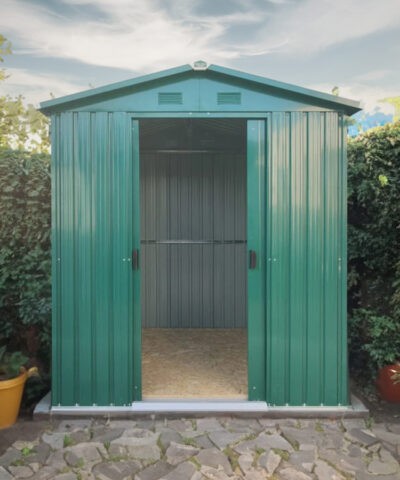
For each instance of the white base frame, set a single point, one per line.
(217, 407)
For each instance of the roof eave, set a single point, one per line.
(349, 107)
(48, 106)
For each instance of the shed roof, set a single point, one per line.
(305, 94)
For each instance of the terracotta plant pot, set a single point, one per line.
(10, 397)
(388, 389)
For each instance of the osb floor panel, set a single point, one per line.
(194, 364)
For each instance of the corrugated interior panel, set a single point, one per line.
(92, 224)
(193, 196)
(306, 346)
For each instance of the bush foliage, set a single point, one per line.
(25, 254)
(374, 247)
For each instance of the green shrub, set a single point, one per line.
(10, 363)
(374, 341)
(25, 292)
(374, 247)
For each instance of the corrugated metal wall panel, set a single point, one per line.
(68, 364)
(332, 253)
(315, 256)
(297, 259)
(55, 252)
(193, 196)
(83, 256)
(343, 380)
(92, 227)
(92, 239)
(306, 346)
(102, 305)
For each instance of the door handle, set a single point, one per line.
(135, 259)
(252, 259)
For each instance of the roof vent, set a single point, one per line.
(229, 98)
(200, 65)
(170, 98)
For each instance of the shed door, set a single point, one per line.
(137, 324)
(256, 260)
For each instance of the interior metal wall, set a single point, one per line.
(188, 197)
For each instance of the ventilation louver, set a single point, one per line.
(170, 98)
(229, 98)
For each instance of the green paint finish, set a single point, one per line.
(102, 309)
(297, 260)
(137, 324)
(315, 236)
(343, 385)
(200, 93)
(55, 266)
(296, 195)
(306, 341)
(256, 243)
(92, 291)
(68, 356)
(244, 81)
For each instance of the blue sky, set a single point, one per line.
(64, 46)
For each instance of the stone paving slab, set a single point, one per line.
(223, 448)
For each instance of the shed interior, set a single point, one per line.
(193, 258)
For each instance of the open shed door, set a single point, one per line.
(136, 263)
(256, 258)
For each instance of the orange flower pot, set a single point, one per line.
(10, 397)
(388, 390)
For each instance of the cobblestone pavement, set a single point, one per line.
(223, 448)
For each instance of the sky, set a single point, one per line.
(65, 46)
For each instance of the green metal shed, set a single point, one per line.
(199, 197)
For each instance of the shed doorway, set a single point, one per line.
(193, 203)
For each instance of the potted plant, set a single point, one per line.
(13, 376)
(388, 382)
(383, 347)
(378, 336)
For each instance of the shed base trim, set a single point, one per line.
(356, 409)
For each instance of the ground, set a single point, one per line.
(213, 448)
(380, 411)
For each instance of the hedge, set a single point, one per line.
(25, 304)
(374, 248)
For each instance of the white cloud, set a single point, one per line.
(149, 35)
(142, 35)
(314, 25)
(135, 37)
(37, 87)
